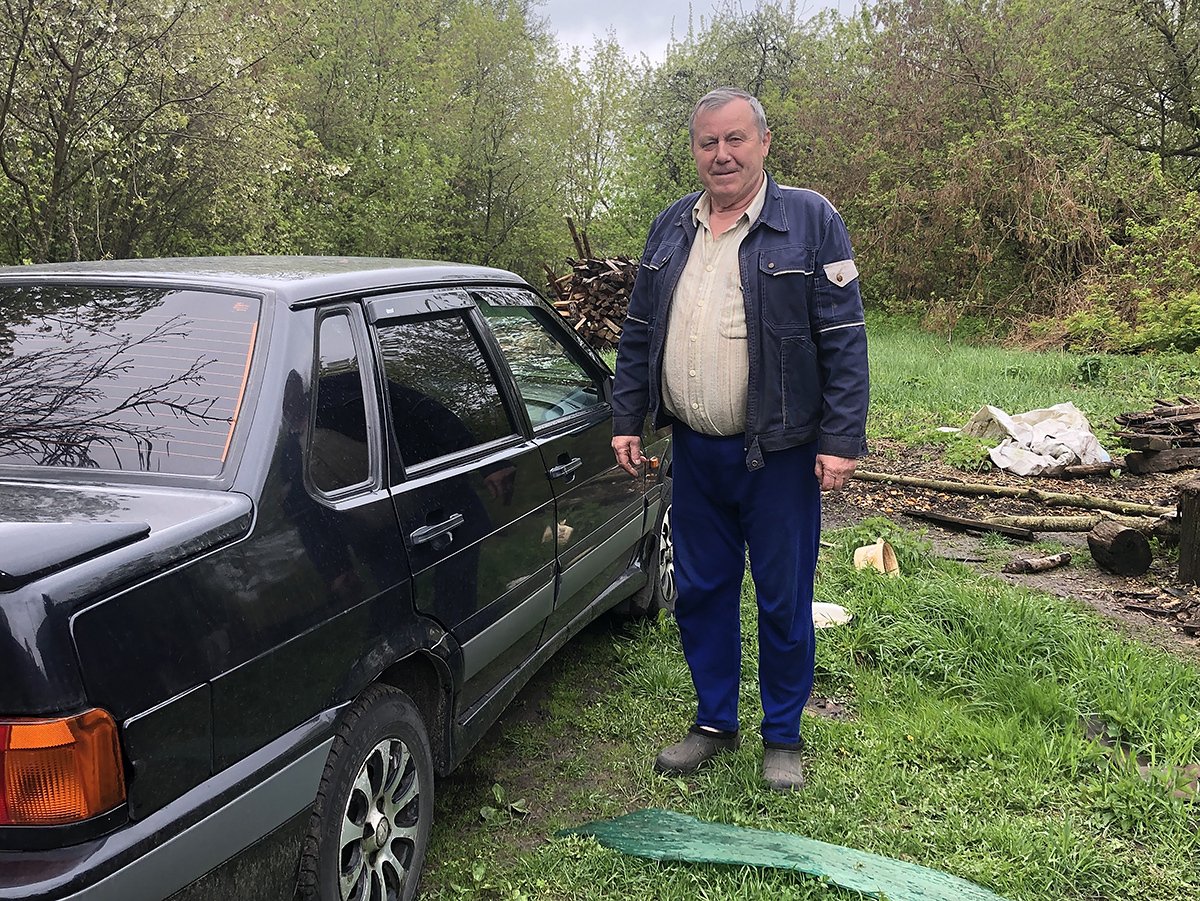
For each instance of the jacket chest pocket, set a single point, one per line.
(655, 266)
(785, 277)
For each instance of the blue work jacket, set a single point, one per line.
(807, 343)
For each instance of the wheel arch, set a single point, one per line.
(426, 680)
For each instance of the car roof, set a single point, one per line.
(292, 278)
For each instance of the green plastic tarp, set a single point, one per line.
(666, 835)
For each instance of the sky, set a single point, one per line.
(644, 26)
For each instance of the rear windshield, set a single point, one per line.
(141, 379)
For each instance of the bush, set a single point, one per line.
(1145, 292)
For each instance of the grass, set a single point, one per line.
(965, 750)
(919, 382)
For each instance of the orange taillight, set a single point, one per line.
(60, 770)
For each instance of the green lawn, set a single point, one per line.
(965, 749)
(920, 382)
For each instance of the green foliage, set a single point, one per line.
(1145, 295)
(504, 811)
(123, 128)
(965, 452)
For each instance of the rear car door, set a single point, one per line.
(469, 489)
(565, 391)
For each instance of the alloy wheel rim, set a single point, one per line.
(378, 837)
(666, 558)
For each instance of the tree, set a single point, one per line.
(499, 72)
(1140, 79)
(594, 118)
(118, 120)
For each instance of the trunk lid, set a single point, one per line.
(64, 546)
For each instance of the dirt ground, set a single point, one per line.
(1154, 607)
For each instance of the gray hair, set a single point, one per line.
(718, 98)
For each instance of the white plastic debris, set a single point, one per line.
(826, 615)
(1038, 441)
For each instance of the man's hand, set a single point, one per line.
(834, 472)
(628, 451)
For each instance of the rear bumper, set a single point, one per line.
(150, 859)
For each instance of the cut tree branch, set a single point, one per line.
(1050, 498)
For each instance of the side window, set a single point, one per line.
(443, 396)
(338, 454)
(552, 383)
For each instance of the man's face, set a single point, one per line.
(729, 153)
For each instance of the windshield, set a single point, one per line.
(143, 379)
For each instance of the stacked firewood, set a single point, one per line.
(594, 295)
(1164, 438)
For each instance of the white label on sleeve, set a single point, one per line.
(842, 273)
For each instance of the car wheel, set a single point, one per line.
(660, 590)
(370, 824)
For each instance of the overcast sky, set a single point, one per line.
(644, 26)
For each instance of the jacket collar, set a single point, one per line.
(772, 214)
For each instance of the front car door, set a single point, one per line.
(565, 389)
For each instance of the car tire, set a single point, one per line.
(660, 591)
(369, 828)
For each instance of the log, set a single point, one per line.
(1036, 564)
(1051, 498)
(1083, 470)
(1142, 462)
(1153, 611)
(970, 525)
(612, 326)
(1083, 523)
(1189, 532)
(1119, 549)
(1164, 527)
(1143, 441)
(595, 293)
(1180, 409)
(551, 279)
(1180, 419)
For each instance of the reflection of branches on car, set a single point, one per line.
(58, 407)
(96, 308)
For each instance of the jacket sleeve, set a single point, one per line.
(840, 334)
(631, 387)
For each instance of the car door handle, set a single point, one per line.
(426, 534)
(565, 469)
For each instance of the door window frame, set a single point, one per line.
(434, 304)
(363, 353)
(575, 349)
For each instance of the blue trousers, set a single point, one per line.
(719, 508)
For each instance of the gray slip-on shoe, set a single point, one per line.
(698, 747)
(782, 769)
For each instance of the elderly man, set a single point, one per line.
(745, 332)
